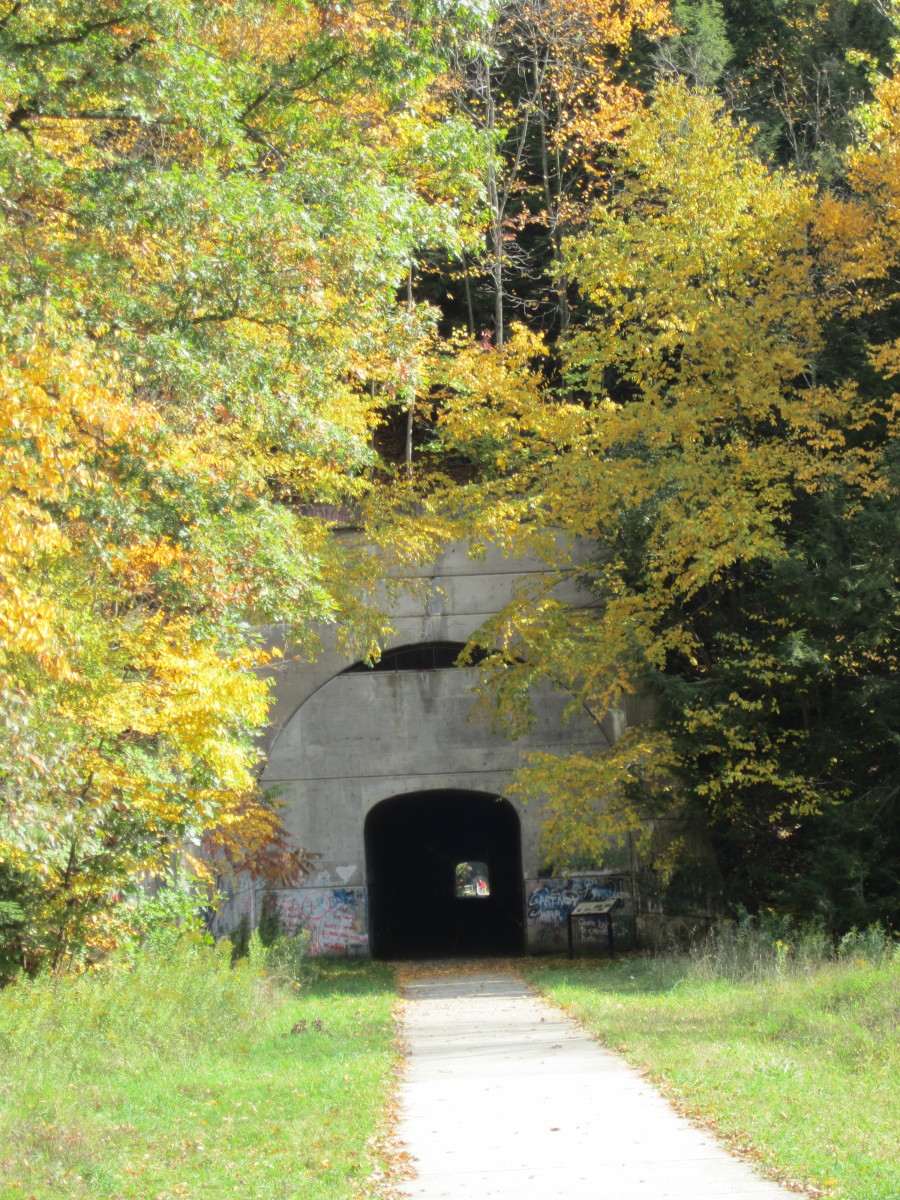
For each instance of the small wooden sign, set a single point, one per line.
(594, 908)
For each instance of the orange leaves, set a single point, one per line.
(578, 53)
(848, 242)
(873, 225)
(589, 43)
(269, 33)
(859, 236)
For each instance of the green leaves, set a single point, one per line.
(206, 211)
(721, 461)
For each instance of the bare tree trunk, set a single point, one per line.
(552, 198)
(496, 256)
(411, 406)
(496, 232)
(470, 312)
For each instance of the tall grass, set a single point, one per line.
(772, 945)
(174, 1075)
(788, 1046)
(767, 947)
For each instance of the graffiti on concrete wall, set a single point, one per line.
(335, 918)
(550, 903)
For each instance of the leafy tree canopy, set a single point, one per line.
(206, 211)
(731, 475)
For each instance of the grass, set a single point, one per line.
(175, 1077)
(180, 1078)
(792, 1058)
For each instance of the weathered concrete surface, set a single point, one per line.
(340, 744)
(506, 1099)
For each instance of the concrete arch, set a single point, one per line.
(451, 598)
(365, 736)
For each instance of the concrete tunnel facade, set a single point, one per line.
(384, 776)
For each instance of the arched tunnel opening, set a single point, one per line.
(444, 874)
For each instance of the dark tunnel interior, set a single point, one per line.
(417, 849)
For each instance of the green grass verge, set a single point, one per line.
(180, 1078)
(800, 1067)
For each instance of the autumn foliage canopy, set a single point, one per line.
(513, 272)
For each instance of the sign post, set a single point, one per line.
(593, 908)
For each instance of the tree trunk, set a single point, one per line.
(411, 406)
(552, 197)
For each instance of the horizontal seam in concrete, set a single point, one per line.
(420, 614)
(524, 573)
(408, 775)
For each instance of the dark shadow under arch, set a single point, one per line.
(413, 846)
(418, 656)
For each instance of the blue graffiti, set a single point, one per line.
(552, 900)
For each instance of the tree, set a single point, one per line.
(711, 454)
(802, 68)
(207, 209)
(553, 87)
(700, 50)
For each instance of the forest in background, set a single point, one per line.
(446, 269)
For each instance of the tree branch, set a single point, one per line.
(13, 12)
(70, 39)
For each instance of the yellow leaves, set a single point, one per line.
(710, 308)
(715, 282)
(56, 405)
(135, 718)
(495, 405)
(590, 803)
(699, 193)
(184, 690)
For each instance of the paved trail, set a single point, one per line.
(506, 1099)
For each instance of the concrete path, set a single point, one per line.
(506, 1099)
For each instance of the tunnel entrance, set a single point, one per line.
(444, 872)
